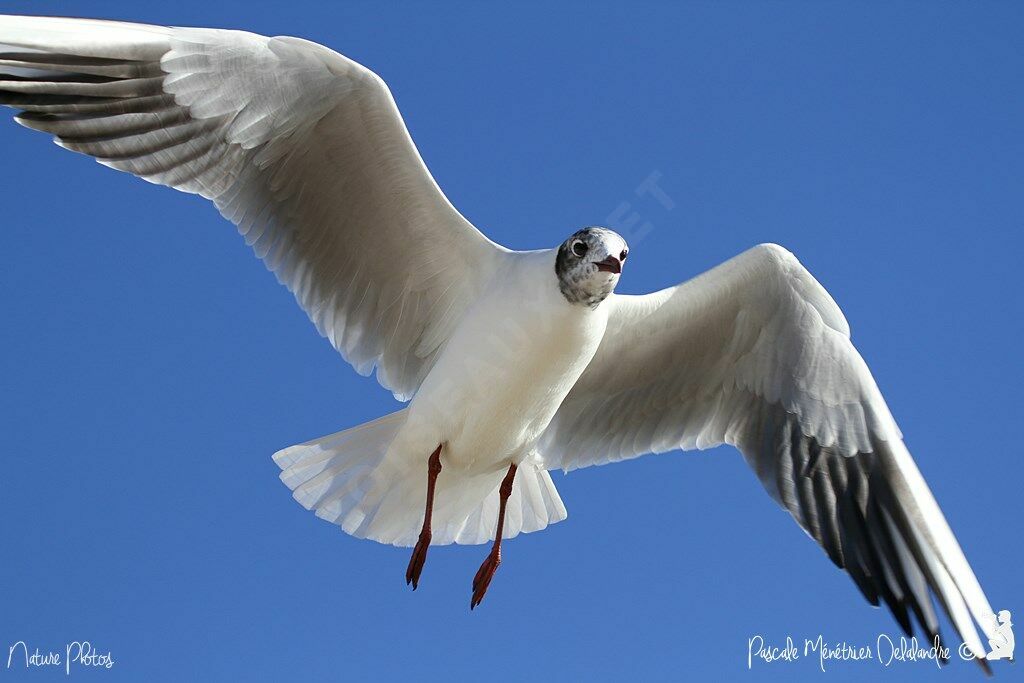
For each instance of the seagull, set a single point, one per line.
(512, 363)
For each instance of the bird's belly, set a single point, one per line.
(510, 414)
(495, 388)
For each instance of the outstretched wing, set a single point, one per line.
(303, 149)
(755, 353)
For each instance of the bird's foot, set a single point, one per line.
(419, 557)
(484, 575)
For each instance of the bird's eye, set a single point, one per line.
(624, 254)
(579, 248)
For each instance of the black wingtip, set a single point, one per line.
(985, 666)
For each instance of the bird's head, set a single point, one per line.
(588, 265)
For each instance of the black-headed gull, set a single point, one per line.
(514, 363)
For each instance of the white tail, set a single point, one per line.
(349, 480)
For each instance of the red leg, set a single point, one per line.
(419, 553)
(486, 572)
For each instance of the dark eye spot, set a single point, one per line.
(579, 248)
(624, 254)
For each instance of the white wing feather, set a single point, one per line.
(302, 148)
(756, 354)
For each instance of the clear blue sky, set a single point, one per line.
(151, 366)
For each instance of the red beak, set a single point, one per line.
(609, 265)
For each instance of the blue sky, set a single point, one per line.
(151, 366)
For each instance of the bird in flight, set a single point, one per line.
(513, 363)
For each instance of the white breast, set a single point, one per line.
(506, 369)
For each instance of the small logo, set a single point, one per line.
(79, 654)
(1002, 641)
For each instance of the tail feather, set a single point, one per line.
(349, 479)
